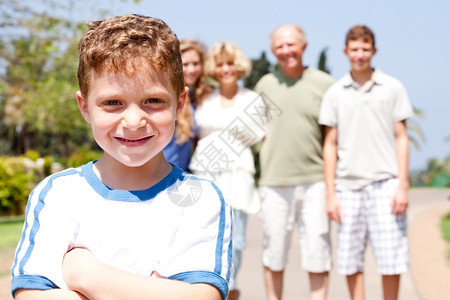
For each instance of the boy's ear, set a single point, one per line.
(345, 50)
(83, 106)
(181, 102)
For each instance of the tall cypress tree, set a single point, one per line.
(260, 67)
(323, 61)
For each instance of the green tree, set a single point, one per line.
(260, 67)
(415, 133)
(322, 65)
(38, 103)
(38, 61)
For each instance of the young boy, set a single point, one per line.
(129, 225)
(366, 166)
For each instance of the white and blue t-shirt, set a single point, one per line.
(180, 228)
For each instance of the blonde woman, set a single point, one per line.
(179, 149)
(230, 120)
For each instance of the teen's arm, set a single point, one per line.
(96, 280)
(53, 294)
(400, 201)
(330, 161)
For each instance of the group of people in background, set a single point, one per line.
(329, 150)
(134, 224)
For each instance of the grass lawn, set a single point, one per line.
(10, 230)
(445, 227)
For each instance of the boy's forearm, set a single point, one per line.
(111, 283)
(101, 281)
(53, 294)
(402, 146)
(329, 175)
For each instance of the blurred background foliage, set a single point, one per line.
(39, 117)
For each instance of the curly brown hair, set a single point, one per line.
(127, 44)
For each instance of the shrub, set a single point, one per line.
(15, 186)
(445, 228)
(82, 156)
(48, 162)
(33, 155)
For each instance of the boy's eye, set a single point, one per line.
(112, 102)
(154, 100)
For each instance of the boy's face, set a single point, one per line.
(132, 117)
(360, 54)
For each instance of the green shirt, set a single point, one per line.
(291, 153)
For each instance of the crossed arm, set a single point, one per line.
(88, 278)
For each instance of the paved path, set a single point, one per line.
(425, 209)
(250, 278)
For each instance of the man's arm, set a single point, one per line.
(400, 201)
(330, 161)
(96, 280)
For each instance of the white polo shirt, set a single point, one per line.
(365, 119)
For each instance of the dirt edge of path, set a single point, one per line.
(428, 254)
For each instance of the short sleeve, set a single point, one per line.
(201, 249)
(328, 113)
(46, 237)
(402, 105)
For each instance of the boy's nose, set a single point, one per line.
(134, 118)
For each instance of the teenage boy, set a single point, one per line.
(291, 184)
(366, 166)
(129, 225)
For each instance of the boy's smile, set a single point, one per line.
(132, 117)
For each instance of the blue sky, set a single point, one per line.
(412, 38)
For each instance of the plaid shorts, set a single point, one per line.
(366, 215)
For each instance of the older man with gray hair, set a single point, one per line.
(291, 184)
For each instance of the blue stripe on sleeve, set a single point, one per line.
(230, 249)
(221, 233)
(219, 245)
(31, 282)
(35, 226)
(211, 278)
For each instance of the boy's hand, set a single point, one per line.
(333, 208)
(156, 274)
(76, 264)
(400, 201)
